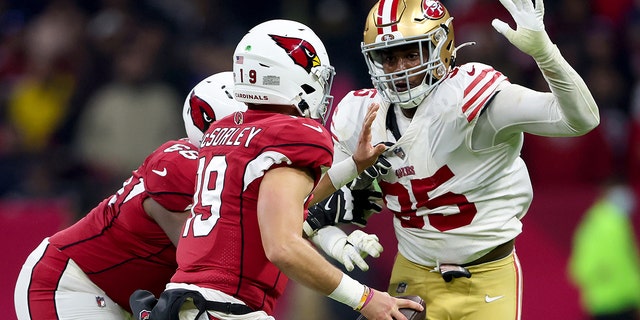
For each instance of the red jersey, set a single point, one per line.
(118, 245)
(221, 247)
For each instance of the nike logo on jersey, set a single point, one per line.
(473, 71)
(489, 299)
(316, 128)
(160, 173)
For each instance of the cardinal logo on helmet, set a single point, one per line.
(144, 315)
(432, 9)
(202, 113)
(301, 51)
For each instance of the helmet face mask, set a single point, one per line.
(423, 24)
(210, 100)
(283, 62)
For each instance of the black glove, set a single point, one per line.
(365, 179)
(142, 302)
(365, 203)
(343, 206)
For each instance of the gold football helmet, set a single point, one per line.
(423, 23)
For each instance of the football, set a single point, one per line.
(409, 313)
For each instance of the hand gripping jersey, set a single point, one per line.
(221, 247)
(452, 204)
(117, 244)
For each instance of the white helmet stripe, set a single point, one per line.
(387, 16)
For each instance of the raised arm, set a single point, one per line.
(348, 169)
(569, 110)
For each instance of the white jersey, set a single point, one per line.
(452, 203)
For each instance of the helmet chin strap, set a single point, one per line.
(303, 107)
(413, 103)
(418, 99)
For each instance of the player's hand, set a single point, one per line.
(343, 206)
(384, 306)
(366, 202)
(529, 36)
(365, 179)
(358, 246)
(366, 154)
(366, 244)
(334, 242)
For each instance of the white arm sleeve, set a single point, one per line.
(569, 110)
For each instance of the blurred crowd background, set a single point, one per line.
(89, 88)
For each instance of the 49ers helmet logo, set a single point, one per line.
(202, 113)
(432, 9)
(301, 51)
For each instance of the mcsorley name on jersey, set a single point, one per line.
(230, 136)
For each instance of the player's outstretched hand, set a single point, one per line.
(385, 307)
(366, 154)
(349, 250)
(529, 35)
(366, 244)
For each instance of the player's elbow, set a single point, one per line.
(587, 124)
(272, 252)
(594, 121)
(279, 252)
(584, 122)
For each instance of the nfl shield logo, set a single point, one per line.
(399, 152)
(100, 301)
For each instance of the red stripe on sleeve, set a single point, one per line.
(473, 99)
(477, 109)
(475, 81)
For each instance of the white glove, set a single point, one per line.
(529, 36)
(367, 244)
(348, 250)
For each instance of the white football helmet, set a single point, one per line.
(208, 101)
(284, 62)
(425, 23)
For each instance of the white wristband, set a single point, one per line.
(327, 237)
(343, 172)
(349, 292)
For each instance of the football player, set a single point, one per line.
(256, 173)
(452, 174)
(89, 270)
